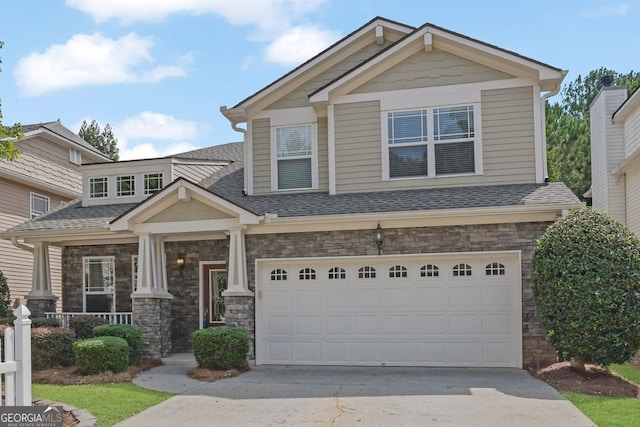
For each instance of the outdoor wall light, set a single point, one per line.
(379, 238)
(181, 261)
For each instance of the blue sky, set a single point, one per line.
(159, 70)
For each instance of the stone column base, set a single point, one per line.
(239, 311)
(39, 306)
(153, 316)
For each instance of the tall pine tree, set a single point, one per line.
(103, 139)
(7, 134)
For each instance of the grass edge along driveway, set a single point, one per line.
(109, 403)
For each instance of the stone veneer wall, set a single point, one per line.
(468, 238)
(153, 316)
(38, 307)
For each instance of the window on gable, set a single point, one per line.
(397, 272)
(431, 142)
(366, 272)
(125, 186)
(278, 274)
(307, 274)
(293, 155)
(461, 270)
(152, 183)
(495, 269)
(99, 284)
(75, 156)
(39, 205)
(337, 273)
(429, 270)
(98, 188)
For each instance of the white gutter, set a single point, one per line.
(22, 246)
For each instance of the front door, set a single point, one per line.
(215, 282)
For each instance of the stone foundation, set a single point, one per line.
(240, 312)
(153, 316)
(39, 306)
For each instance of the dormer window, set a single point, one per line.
(126, 186)
(294, 149)
(75, 156)
(98, 188)
(433, 142)
(152, 183)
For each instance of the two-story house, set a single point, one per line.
(44, 176)
(615, 153)
(382, 209)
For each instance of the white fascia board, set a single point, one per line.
(173, 227)
(627, 107)
(36, 183)
(440, 217)
(53, 236)
(627, 164)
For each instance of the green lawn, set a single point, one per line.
(611, 411)
(110, 403)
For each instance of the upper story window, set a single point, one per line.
(152, 182)
(39, 204)
(125, 186)
(294, 149)
(98, 188)
(432, 142)
(75, 156)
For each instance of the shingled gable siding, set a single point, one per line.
(490, 237)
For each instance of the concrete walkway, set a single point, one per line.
(354, 396)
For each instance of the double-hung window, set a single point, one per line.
(431, 142)
(99, 284)
(39, 205)
(294, 149)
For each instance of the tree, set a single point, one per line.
(7, 134)
(5, 298)
(586, 273)
(103, 140)
(568, 128)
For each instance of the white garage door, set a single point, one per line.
(427, 310)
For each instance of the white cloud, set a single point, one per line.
(607, 10)
(149, 150)
(265, 14)
(299, 44)
(90, 59)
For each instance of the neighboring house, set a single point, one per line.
(382, 210)
(615, 154)
(45, 176)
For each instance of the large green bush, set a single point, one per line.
(101, 354)
(84, 324)
(131, 334)
(5, 297)
(586, 272)
(51, 347)
(223, 347)
(41, 322)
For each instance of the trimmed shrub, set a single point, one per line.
(41, 322)
(586, 272)
(7, 320)
(51, 347)
(101, 354)
(223, 347)
(84, 324)
(131, 334)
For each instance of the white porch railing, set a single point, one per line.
(15, 367)
(121, 318)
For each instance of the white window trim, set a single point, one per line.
(135, 186)
(32, 196)
(91, 195)
(431, 158)
(144, 179)
(112, 259)
(314, 157)
(75, 156)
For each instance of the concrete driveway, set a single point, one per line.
(361, 396)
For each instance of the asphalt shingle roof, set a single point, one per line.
(232, 151)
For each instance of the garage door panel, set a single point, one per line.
(440, 319)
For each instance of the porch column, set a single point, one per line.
(152, 300)
(237, 284)
(41, 299)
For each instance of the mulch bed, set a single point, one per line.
(69, 375)
(204, 374)
(596, 381)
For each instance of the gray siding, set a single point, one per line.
(427, 69)
(358, 151)
(323, 154)
(299, 96)
(261, 140)
(508, 145)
